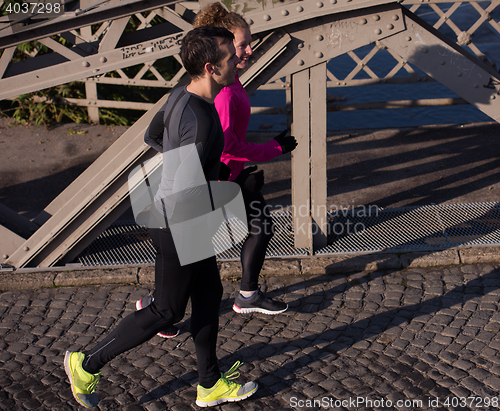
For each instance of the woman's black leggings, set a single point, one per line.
(174, 285)
(261, 230)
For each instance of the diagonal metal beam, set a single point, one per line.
(361, 64)
(14, 229)
(7, 55)
(86, 202)
(269, 50)
(451, 65)
(113, 34)
(117, 49)
(155, 45)
(267, 16)
(60, 49)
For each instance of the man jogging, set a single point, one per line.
(190, 119)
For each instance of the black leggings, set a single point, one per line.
(174, 285)
(261, 230)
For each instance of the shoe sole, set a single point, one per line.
(67, 369)
(139, 307)
(204, 404)
(240, 310)
(168, 335)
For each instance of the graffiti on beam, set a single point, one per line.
(158, 45)
(342, 33)
(463, 64)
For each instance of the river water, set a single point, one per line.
(487, 40)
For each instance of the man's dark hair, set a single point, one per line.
(200, 46)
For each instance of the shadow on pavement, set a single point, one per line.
(338, 336)
(325, 345)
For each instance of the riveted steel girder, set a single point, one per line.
(271, 18)
(323, 38)
(96, 59)
(270, 56)
(92, 65)
(14, 229)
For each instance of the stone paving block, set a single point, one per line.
(463, 364)
(493, 382)
(460, 392)
(480, 255)
(479, 373)
(434, 348)
(282, 267)
(427, 384)
(22, 281)
(439, 391)
(450, 332)
(472, 384)
(423, 259)
(146, 274)
(101, 276)
(476, 346)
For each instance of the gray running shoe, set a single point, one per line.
(170, 332)
(258, 303)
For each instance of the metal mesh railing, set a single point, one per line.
(125, 242)
(432, 227)
(413, 228)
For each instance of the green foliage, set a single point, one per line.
(117, 117)
(44, 107)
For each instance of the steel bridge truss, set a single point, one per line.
(294, 41)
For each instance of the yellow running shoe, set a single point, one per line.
(82, 383)
(225, 390)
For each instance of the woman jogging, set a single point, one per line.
(233, 106)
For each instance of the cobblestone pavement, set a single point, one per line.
(406, 340)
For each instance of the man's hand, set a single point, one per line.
(249, 180)
(287, 143)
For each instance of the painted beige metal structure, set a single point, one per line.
(441, 19)
(296, 40)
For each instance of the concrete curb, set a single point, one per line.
(316, 265)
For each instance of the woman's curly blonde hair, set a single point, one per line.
(216, 15)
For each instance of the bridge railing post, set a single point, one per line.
(309, 158)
